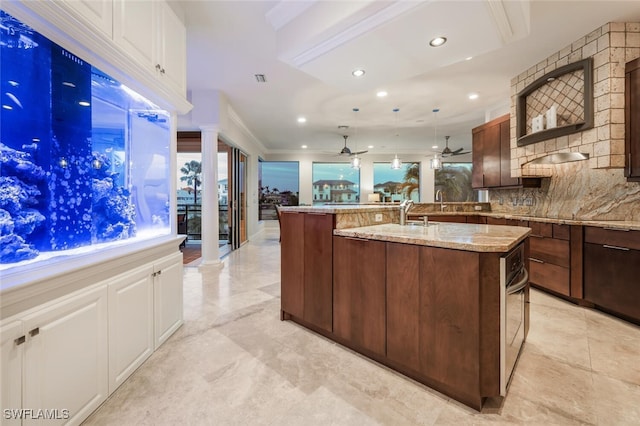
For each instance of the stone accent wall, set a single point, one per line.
(592, 189)
(611, 47)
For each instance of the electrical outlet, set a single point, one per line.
(378, 217)
(477, 208)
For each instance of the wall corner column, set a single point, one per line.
(210, 214)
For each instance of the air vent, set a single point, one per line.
(260, 78)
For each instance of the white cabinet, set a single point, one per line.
(12, 340)
(65, 357)
(152, 34)
(167, 293)
(130, 323)
(97, 13)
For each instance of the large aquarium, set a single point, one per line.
(84, 160)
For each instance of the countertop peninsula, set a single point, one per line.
(459, 236)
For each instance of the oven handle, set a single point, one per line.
(514, 288)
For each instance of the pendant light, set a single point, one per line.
(355, 161)
(436, 162)
(396, 163)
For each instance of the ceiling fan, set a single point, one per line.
(347, 151)
(448, 151)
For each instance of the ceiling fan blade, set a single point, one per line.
(359, 152)
(460, 152)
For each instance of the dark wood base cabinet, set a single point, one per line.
(306, 267)
(430, 313)
(612, 271)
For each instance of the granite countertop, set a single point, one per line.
(342, 208)
(613, 224)
(459, 236)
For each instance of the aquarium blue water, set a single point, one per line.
(84, 160)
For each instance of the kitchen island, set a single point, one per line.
(425, 301)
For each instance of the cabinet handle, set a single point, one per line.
(533, 259)
(34, 332)
(617, 229)
(159, 272)
(20, 340)
(162, 71)
(317, 214)
(615, 247)
(630, 165)
(158, 67)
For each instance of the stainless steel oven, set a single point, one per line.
(514, 279)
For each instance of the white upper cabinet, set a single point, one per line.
(98, 13)
(152, 34)
(172, 52)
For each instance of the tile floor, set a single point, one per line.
(235, 363)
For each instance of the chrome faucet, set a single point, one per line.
(404, 209)
(441, 194)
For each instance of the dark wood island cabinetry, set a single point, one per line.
(307, 270)
(425, 301)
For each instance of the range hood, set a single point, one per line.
(559, 158)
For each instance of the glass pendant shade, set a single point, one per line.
(355, 163)
(436, 163)
(396, 163)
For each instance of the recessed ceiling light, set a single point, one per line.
(358, 73)
(302, 120)
(438, 41)
(468, 58)
(370, 146)
(434, 147)
(303, 147)
(473, 96)
(381, 94)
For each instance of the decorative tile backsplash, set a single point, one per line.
(595, 188)
(611, 47)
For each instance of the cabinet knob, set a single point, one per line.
(161, 70)
(158, 67)
(20, 340)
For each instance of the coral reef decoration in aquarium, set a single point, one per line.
(84, 160)
(19, 214)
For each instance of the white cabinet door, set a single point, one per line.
(135, 30)
(65, 356)
(172, 52)
(98, 13)
(167, 295)
(11, 345)
(130, 323)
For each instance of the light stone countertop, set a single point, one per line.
(459, 236)
(344, 208)
(613, 224)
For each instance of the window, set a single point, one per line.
(397, 185)
(338, 182)
(279, 185)
(454, 180)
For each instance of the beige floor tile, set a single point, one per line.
(233, 362)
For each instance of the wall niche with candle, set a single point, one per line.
(558, 103)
